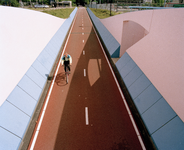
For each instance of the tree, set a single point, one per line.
(13, 3)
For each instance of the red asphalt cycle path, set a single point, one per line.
(88, 113)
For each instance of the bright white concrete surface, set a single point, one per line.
(160, 54)
(23, 35)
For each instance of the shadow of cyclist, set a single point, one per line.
(61, 79)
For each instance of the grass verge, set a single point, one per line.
(65, 12)
(103, 13)
(61, 13)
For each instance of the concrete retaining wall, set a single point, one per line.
(17, 110)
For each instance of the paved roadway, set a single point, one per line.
(88, 113)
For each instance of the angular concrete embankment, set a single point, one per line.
(151, 66)
(30, 43)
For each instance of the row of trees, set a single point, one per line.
(15, 3)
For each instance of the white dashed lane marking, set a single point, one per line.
(86, 116)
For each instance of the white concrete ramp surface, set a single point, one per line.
(23, 35)
(29, 44)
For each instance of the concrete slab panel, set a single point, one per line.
(139, 86)
(45, 60)
(40, 68)
(22, 100)
(56, 37)
(170, 136)
(146, 99)
(9, 141)
(113, 47)
(106, 35)
(123, 61)
(48, 49)
(158, 115)
(52, 48)
(35, 76)
(133, 75)
(30, 87)
(66, 26)
(63, 32)
(13, 120)
(55, 45)
(127, 68)
(51, 60)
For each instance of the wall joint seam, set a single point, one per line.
(131, 71)
(164, 124)
(152, 105)
(26, 93)
(33, 81)
(38, 71)
(135, 81)
(142, 91)
(49, 52)
(41, 64)
(126, 63)
(18, 108)
(10, 132)
(47, 61)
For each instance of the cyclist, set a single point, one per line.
(67, 61)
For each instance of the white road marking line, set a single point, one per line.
(82, 33)
(82, 28)
(126, 105)
(34, 140)
(84, 72)
(86, 116)
(83, 52)
(50, 90)
(83, 41)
